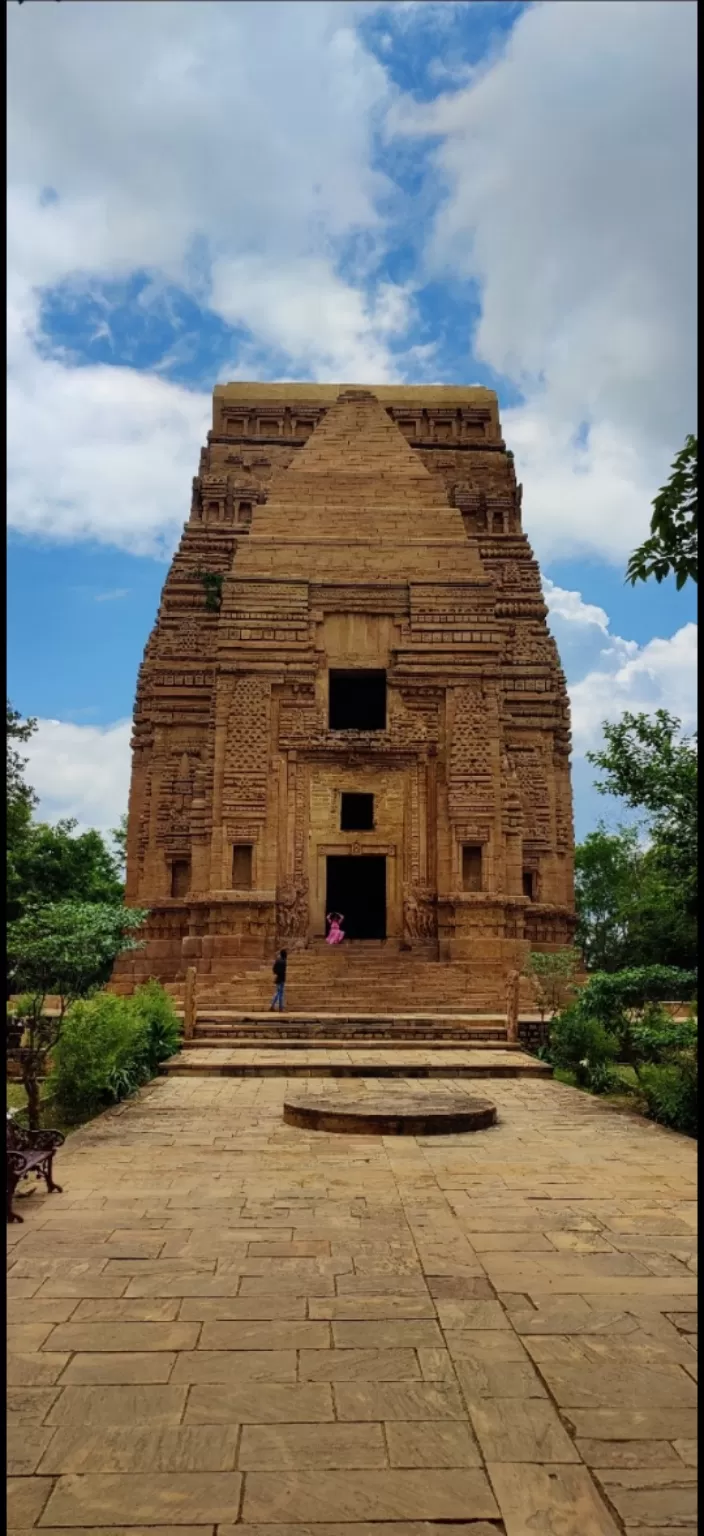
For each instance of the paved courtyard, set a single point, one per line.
(226, 1322)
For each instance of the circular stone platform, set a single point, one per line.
(389, 1113)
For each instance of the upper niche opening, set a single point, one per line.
(180, 877)
(471, 867)
(356, 812)
(357, 701)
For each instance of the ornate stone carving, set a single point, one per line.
(420, 914)
(247, 748)
(292, 911)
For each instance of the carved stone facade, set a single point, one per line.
(334, 530)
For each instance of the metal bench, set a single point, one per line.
(30, 1152)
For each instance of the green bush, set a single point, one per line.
(108, 1047)
(656, 1038)
(154, 1007)
(670, 1092)
(607, 995)
(581, 1044)
(603, 1078)
(99, 1057)
(616, 1000)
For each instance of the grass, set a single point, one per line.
(16, 1098)
(630, 1098)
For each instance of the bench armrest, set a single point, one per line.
(17, 1163)
(45, 1141)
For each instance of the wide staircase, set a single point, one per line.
(359, 1010)
(364, 977)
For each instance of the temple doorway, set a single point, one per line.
(356, 886)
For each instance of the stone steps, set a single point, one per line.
(355, 1001)
(325, 1042)
(232, 1016)
(338, 1062)
(229, 1027)
(357, 979)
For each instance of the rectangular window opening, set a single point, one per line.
(356, 813)
(471, 867)
(357, 701)
(242, 867)
(529, 884)
(180, 877)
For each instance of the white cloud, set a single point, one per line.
(233, 152)
(103, 453)
(569, 165)
(607, 674)
(229, 151)
(659, 675)
(572, 607)
(311, 314)
(247, 124)
(80, 771)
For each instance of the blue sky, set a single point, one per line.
(490, 193)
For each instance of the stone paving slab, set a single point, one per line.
(229, 1326)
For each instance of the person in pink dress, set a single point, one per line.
(335, 936)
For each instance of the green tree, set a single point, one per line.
(67, 950)
(21, 799)
(54, 863)
(119, 838)
(607, 871)
(672, 546)
(47, 864)
(654, 769)
(649, 765)
(552, 974)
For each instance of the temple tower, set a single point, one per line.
(351, 698)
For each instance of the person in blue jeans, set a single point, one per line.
(279, 969)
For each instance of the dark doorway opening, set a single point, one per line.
(356, 813)
(357, 701)
(356, 887)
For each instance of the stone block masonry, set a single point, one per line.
(372, 532)
(230, 1326)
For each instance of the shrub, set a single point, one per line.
(162, 1026)
(602, 1078)
(608, 995)
(552, 975)
(580, 1043)
(67, 948)
(656, 1038)
(670, 1092)
(109, 1046)
(99, 1057)
(614, 999)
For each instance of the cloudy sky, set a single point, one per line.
(490, 193)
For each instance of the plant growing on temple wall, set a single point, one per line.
(212, 584)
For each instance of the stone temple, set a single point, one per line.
(351, 700)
